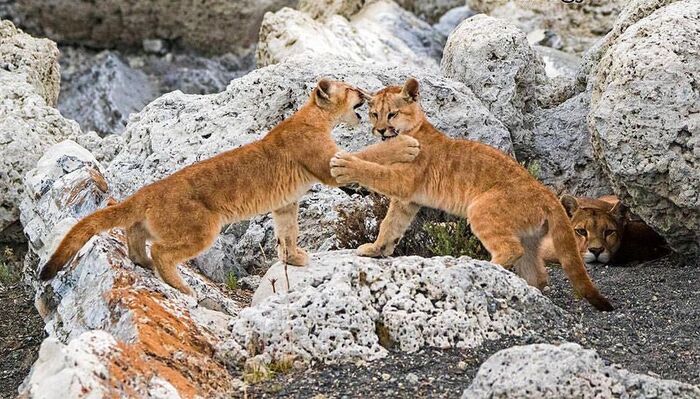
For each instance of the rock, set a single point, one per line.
(545, 38)
(324, 9)
(492, 57)
(380, 32)
(561, 147)
(432, 10)
(177, 130)
(36, 59)
(579, 24)
(155, 46)
(565, 371)
(213, 27)
(558, 63)
(644, 121)
(103, 148)
(451, 19)
(103, 92)
(28, 123)
(348, 306)
(154, 337)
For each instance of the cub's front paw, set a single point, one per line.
(298, 257)
(369, 250)
(343, 168)
(408, 148)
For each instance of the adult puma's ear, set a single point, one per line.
(410, 90)
(569, 203)
(323, 90)
(619, 211)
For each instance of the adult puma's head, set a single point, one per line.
(340, 99)
(395, 110)
(598, 226)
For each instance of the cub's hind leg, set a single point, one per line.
(490, 226)
(136, 237)
(287, 232)
(397, 219)
(531, 266)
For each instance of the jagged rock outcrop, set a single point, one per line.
(28, 123)
(644, 121)
(177, 130)
(380, 32)
(432, 10)
(103, 92)
(349, 307)
(154, 337)
(216, 26)
(567, 371)
(493, 58)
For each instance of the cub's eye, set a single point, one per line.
(609, 232)
(581, 232)
(391, 115)
(374, 115)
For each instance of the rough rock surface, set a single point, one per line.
(493, 58)
(216, 26)
(578, 23)
(451, 19)
(177, 130)
(101, 95)
(561, 146)
(380, 32)
(28, 124)
(324, 9)
(352, 308)
(154, 337)
(644, 120)
(565, 371)
(32, 57)
(432, 10)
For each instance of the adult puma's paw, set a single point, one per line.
(344, 168)
(369, 250)
(297, 257)
(407, 150)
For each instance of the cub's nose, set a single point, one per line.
(381, 131)
(595, 250)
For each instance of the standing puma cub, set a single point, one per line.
(183, 213)
(508, 210)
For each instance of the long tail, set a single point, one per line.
(120, 215)
(567, 251)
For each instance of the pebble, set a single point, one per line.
(412, 378)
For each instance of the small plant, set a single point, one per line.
(454, 238)
(8, 275)
(231, 281)
(533, 167)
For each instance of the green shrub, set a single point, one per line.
(231, 281)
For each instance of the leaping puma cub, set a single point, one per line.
(183, 213)
(508, 210)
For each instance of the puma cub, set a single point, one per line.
(183, 213)
(508, 210)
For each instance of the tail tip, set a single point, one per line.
(601, 303)
(47, 272)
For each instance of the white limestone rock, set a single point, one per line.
(644, 121)
(337, 305)
(176, 130)
(380, 32)
(567, 371)
(493, 58)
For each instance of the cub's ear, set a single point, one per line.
(619, 211)
(367, 96)
(410, 90)
(323, 89)
(570, 204)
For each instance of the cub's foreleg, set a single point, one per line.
(403, 148)
(397, 219)
(394, 181)
(287, 232)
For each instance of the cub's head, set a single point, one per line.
(340, 99)
(598, 226)
(395, 109)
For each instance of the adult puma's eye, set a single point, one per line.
(391, 115)
(609, 232)
(373, 115)
(581, 232)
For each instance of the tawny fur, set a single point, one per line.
(183, 213)
(508, 210)
(607, 233)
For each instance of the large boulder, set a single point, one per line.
(103, 92)
(429, 11)
(216, 26)
(644, 121)
(380, 32)
(353, 308)
(493, 58)
(28, 123)
(567, 371)
(153, 336)
(177, 130)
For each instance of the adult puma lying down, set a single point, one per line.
(183, 213)
(607, 233)
(508, 210)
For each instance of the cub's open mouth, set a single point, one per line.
(389, 134)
